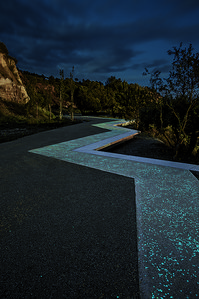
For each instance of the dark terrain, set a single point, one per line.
(145, 146)
(9, 131)
(66, 230)
(141, 145)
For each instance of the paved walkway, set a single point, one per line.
(66, 230)
(166, 207)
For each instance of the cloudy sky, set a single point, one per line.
(99, 38)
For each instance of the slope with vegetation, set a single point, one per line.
(176, 119)
(25, 100)
(11, 86)
(168, 109)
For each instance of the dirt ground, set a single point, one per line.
(144, 146)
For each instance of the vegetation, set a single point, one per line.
(168, 109)
(116, 98)
(178, 106)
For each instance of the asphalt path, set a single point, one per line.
(66, 230)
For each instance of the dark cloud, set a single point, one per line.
(161, 65)
(98, 37)
(183, 6)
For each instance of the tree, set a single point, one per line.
(61, 72)
(48, 94)
(180, 95)
(88, 96)
(137, 99)
(114, 88)
(35, 94)
(156, 89)
(72, 89)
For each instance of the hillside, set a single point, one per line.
(11, 86)
(17, 104)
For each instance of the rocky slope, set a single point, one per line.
(11, 86)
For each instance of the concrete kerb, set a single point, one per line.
(159, 187)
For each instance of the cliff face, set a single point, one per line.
(11, 86)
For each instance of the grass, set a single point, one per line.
(17, 121)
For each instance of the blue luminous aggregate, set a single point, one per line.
(167, 196)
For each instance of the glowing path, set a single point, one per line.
(167, 202)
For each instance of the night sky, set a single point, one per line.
(99, 38)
